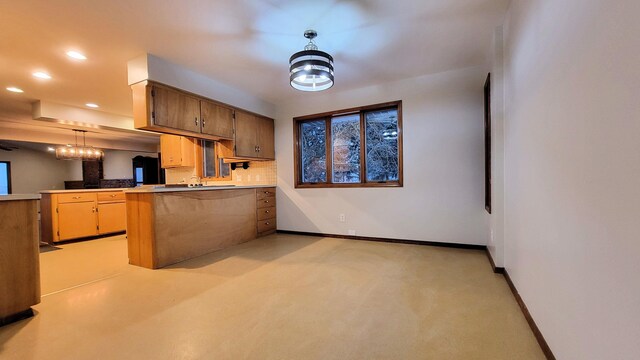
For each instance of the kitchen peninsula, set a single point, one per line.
(166, 225)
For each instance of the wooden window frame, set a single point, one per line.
(326, 117)
(199, 158)
(9, 191)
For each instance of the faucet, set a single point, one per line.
(197, 182)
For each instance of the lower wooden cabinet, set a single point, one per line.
(76, 220)
(72, 215)
(266, 208)
(111, 217)
(19, 259)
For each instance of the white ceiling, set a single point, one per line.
(243, 43)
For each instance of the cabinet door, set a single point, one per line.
(76, 220)
(174, 109)
(177, 151)
(266, 141)
(170, 149)
(246, 135)
(217, 120)
(112, 217)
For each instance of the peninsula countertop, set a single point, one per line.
(162, 188)
(14, 197)
(68, 191)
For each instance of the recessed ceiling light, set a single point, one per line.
(41, 75)
(92, 105)
(15, 89)
(76, 55)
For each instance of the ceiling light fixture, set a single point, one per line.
(15, 89)
(77, 152)
(76, 55)
(92, 105)
(41, 75)
(311, 69)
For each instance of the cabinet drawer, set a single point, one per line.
(267, 202)
(76, 197)
(266, 225)
(265, 192)
(110, 196)
(266, 213)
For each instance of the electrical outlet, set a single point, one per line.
(352, 232)
(342, 218)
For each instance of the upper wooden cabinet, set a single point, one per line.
(164, 109)
(177, 151)
(174, 109)
(216, 119)
(161, 108)
(254, 136)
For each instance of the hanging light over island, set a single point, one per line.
(79, 152)
(311, 69)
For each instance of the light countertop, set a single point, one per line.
(82, 190)
(161, 188)
(14, 197)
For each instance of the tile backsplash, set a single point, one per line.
(258, 173)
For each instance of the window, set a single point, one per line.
(210, 165)
(360, 147)
(5, 177)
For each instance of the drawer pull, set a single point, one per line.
(113, 195)
(266, 223)
(77, 197)
(266, 201)
(266, 211)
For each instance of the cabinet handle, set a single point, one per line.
(202, 122)
(196, 121)
(258, 148)
(255, 148)
(113, 195)
(266, 223)
(93, 209)
(76, 197)
(266, 201)
(266, 211)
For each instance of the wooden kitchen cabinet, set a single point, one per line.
(67, 215)
(254, 136)
(161, 108)
(217, 120)
(76, 220)
(111, 217)
(175, 109)
(19, 257)
(177, 151)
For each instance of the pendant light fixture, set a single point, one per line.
(311, 69)
(76, 152)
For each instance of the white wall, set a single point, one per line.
(116, 165)
(443, 195)
(496, 223)
(33, 171)
(572, 164)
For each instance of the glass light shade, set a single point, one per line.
(78, 153)
(311, 70)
